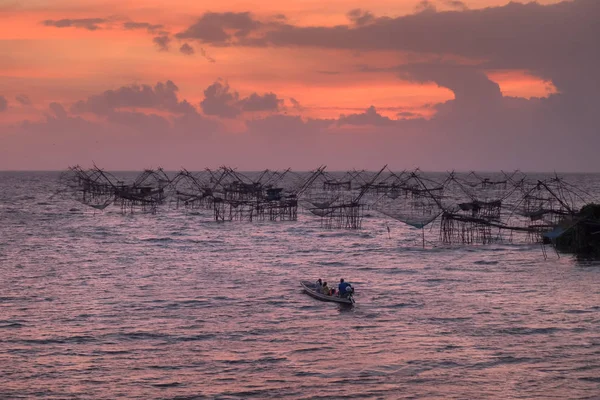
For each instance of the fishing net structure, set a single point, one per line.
(472, 207)
(193, 190)
(99, 189)
(94, 187)
(479, 209)
(337, 200)
(542, 204)
(466, 208)
(409, 197)
(232, 195)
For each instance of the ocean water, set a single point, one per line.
(97, 304)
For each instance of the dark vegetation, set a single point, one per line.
(582, 233)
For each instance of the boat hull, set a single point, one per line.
(309, 289)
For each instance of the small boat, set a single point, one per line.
(310, 289)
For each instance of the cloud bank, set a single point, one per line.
(459, 49)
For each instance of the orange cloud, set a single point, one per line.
(521, 84)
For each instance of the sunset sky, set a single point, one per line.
(437, 84)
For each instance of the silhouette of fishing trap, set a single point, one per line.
(476, 209)
(466, 208)
(232, 195)
(99, 189)
(338, 202)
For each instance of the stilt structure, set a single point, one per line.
(468, 208)
(98, 189)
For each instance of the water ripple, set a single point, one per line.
(176, 306)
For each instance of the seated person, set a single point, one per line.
(325, 289)
(342, 288)
(318, 285)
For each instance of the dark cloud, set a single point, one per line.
(163, 96)
(58, 110)
(162, 39)
(471, 86)
(369, 117)
(456, 4)
(114, 108)
(296, 104)
(220, 101)
(220, 29)
(91, 24)
(265, 102)
(162, 42)
(555, 42)
(425, 6)
(406, 114)
(195, 124)
(360, 17)
(23, 99)
(151, 28)
(328, 72)
(205, 55)
(186, 49)
(3, 103)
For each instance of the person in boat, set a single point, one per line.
(325, 289)
(318, 285)
(344, 288)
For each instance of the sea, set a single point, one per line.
(97, 304)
